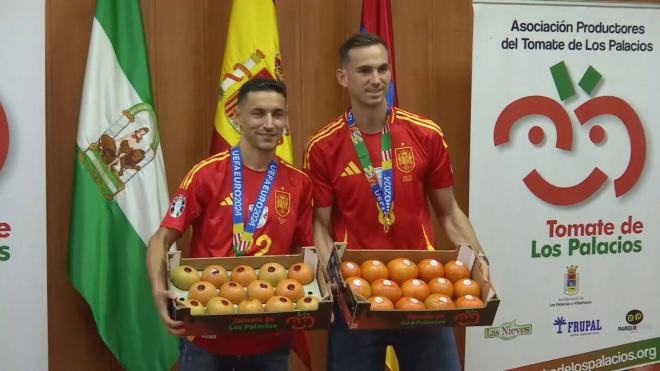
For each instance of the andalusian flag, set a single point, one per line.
(252, 50)
(377, 19)
(120, 192)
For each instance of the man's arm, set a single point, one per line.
(456, 224)
(322, 234)
(453, 220)
(159, 244)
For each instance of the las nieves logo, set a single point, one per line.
(508, 331)
(577, 328)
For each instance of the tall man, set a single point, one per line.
(245, 201)
(373, 169)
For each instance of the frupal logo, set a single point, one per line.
(583, 327)
(4, 137)
(585, 113)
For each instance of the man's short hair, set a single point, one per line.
(261, 84)
(359, 40)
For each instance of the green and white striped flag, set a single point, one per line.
(120, 193)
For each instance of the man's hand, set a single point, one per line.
(484, 268)
(159, 243)
(162, 299)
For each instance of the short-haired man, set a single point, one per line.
(238, 188)
(373, 169)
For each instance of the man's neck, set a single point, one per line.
(370, 120)
(255, 159)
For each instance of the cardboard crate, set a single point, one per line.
(359, 316)
(235, 323)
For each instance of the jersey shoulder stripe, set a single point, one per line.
(428, 124)
(295, 169)
(414, 116)
(326, 130)
(200, 165)
(321, 134)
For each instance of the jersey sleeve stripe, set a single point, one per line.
(188, 178)
(294, 169)
(322, 134)
(325, 129)
(414, 115)
(201, 163)
(433, 127)
(417, 118)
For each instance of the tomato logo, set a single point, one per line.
(301, 322)
(4, 137)
(586, 113)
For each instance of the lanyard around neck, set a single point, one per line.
(382, 190)
(243, 233)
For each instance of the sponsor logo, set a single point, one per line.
(577, 328)
(282, 203)
(351, 169)
(571, 280)
(508, 331)
(598, 108)
(177, 206)
(571, 286)
(405, 159)
(4, 137)
(228, 200)
(634, 319)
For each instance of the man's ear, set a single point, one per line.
(341, 77)
(238, 118)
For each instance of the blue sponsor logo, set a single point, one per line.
(573, 328)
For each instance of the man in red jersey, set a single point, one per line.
(373, 169)
(245, 201)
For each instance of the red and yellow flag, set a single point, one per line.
(252, 50)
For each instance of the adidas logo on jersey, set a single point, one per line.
(351, 169)
(228, 201)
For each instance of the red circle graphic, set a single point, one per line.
(4, 137)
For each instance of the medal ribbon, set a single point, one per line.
(242, 234)
(383, 192)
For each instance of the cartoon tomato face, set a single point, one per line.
(467, 318)
(588, 111)
(301, 322)
(4, 137)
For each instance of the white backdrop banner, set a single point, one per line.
(23, 314)
(564, 183)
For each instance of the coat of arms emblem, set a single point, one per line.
(405, 160)
(282, 203)
(122, 150)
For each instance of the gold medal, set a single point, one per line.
(386, 220)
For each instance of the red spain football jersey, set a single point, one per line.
(420, 162)
(204, 201)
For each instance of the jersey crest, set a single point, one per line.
(405, 159)
(282, 203)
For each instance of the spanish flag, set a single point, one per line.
(252, 50)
